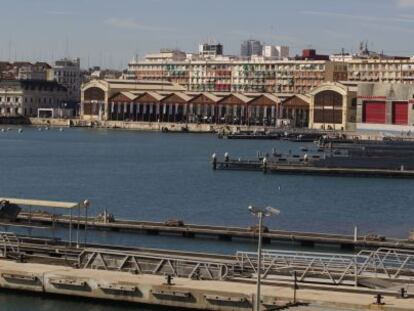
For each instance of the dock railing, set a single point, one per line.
(332, 268)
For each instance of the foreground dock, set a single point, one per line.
(378, 279)
(181, 292)
(207, 281)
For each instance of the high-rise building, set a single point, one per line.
(208, 50)
(283, 51)
(275, 51)
(251, 47)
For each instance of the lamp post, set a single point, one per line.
(260, 213)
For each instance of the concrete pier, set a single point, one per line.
(182, 292)
(309, 239)
(302, 169)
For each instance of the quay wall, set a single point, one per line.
(373, 130)
(143, 126)
(181, 293)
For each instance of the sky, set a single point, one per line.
(108, 33)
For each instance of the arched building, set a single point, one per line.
(333, 106)
(144, 101)
(96, 94)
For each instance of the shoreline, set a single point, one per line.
(169, 127)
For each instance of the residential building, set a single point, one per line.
(237, 75)
(67, 72)
(381, 70)
(310, 54)
(275, 51)
(166, 55)
(282, 51)
(249, 48)
(26, 71)
(28, 97)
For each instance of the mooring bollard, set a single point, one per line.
(214, 161)
(226, 157)
(402, 293)
(169, 279)
(264, 165)
(378, 300)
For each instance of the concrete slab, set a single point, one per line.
(186, 293)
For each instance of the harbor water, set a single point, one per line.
(161, 176)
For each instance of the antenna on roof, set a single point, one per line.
(67, 47)
(10, 45)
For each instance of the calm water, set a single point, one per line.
(157, 176)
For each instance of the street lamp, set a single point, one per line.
(260, 213)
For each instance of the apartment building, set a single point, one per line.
(67, 72)
(226, 74)
(275, 51)
(251, 47)
(26, 71)
(210, 50)
(26, 97)
(381, 70)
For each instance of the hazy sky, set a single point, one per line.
(110, 32)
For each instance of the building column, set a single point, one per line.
(388, 112)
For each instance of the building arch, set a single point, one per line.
(330, 106)
(94, 93)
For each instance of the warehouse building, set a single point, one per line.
(126, 100)
(385, 106)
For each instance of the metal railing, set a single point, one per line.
(332, 268)
(148, 263)
(10, 244)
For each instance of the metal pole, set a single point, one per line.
(259, 261)
(70, 228)
(86, 224)
(295, 280)
(356, 271)
(30, 220)
(77, 231)
(356, 234)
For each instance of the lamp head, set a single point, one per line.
(271, 211)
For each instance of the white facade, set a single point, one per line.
(275, 51)
(25, 97)
(283, 51)
(270, 51)
(210, 50)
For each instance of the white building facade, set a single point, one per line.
(26, 97)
